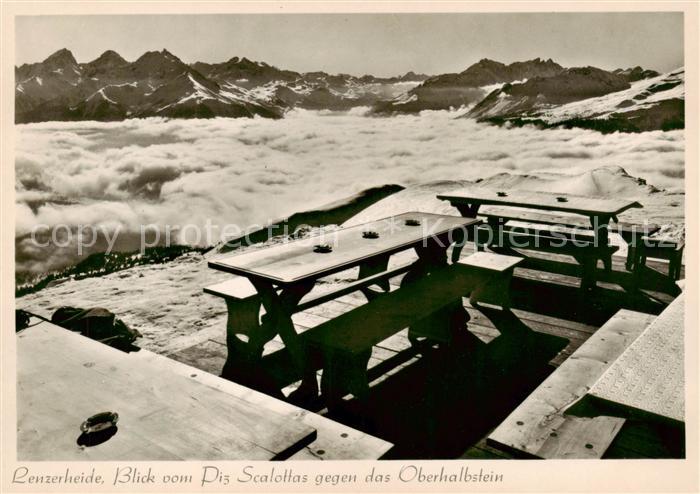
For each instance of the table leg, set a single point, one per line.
(632, 239)
(467, 211)
(279, 308)
(374, 266)
(599, 226)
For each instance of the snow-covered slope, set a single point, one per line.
(642, 95)
(656, 103)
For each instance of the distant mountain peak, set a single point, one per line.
(62, 57)
(109, 58)
(538, 60)
(636, 73)
(412, 76)
(485, 63)
(156, 56)
(244, 62)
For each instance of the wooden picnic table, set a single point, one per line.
(283, 275)
(646, 381)
(63, 378)
(599, 210)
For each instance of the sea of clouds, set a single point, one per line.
(118, 177)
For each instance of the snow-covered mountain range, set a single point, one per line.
(160, 84)
(590, 98)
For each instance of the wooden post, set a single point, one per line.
(467, 211)
(280, 308)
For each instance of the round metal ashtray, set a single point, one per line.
(412, 222)
(501, 194)
(99, 422)
(562, 199)
(323, 248)
(370, 234)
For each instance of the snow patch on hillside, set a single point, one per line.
(641, 94)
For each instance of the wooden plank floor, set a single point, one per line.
(492, 378)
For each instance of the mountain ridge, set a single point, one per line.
(158, 83)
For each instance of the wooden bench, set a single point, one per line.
(580, 247)
(430, 307)
(498, 288)
(538, 428)
(632, 233)
(647, 381)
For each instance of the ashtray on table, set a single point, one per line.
(99, 422)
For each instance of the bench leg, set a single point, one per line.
(607, 262)
(344, 373)
(443, 326)
(497, 289)
(245, 337)
(589, 265)
(674, 265)
(369, 268)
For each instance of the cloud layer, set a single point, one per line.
(249, 171)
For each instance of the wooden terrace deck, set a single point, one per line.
(430, 406)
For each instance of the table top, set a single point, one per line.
(588, 206)
(647, 378)
(296, 261)
(63, 378)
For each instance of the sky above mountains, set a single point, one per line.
(378, 44)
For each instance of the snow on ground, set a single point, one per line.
(492, 87)
(266, 92)
(199, 93)
(101, 92)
